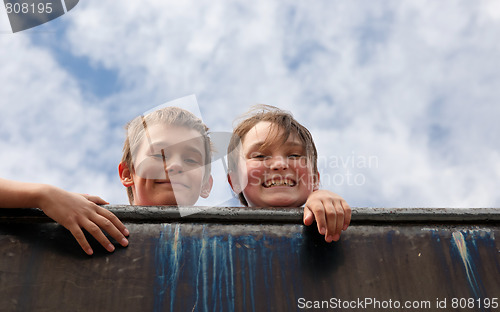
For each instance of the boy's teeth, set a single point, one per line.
(279, 183)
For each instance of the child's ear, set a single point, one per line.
(207, 187)
(316, 182)
(125, 175)
(233, 181)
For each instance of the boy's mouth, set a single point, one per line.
(279, 182)
(170, 182)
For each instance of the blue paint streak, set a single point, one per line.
(161, 255)
(458, 241)
(267, 268)
(202, 269)
(231, 266)
(167, 259)
(205, 269)
(174, 265)
(226, 279)
(251, 273)
(215, 274)
(198, 276)
(283, 258)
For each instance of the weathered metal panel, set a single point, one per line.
(261, 265)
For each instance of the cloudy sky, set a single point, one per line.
(402, 97)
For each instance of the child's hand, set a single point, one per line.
(76, 211)
(331, 212)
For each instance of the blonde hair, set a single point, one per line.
(282, 120)
(174, 116)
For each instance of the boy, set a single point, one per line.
(272, 162)
(71, 210)
(166, 159)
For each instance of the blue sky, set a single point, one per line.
(412, 86)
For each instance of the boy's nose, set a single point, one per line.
(278, 163)
(173, 165)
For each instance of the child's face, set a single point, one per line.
(169, 167)
(278, 176)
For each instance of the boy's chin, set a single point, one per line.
(158, 202)
(283, 200)
(179, 202)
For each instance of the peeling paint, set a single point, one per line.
(181, 266)
(209, 267)
(461, 246)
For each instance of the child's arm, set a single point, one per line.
(331, 212)
(71, 210)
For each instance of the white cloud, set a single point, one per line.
(413, 83)
(48, 132)
(4, 22)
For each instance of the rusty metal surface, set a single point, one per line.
(224, 266)
(272, 215)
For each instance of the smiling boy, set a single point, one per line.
(272, 162)
(276, 176)
(166, 159)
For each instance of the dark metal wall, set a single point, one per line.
(219, 265)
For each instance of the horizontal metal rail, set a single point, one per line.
(142, 214)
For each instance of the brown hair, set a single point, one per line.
(175, 116)
(284, 121)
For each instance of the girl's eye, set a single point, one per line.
(294, 156)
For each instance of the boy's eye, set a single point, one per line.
(191, 161)
(259, 156)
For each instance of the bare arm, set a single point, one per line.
(71, 210)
